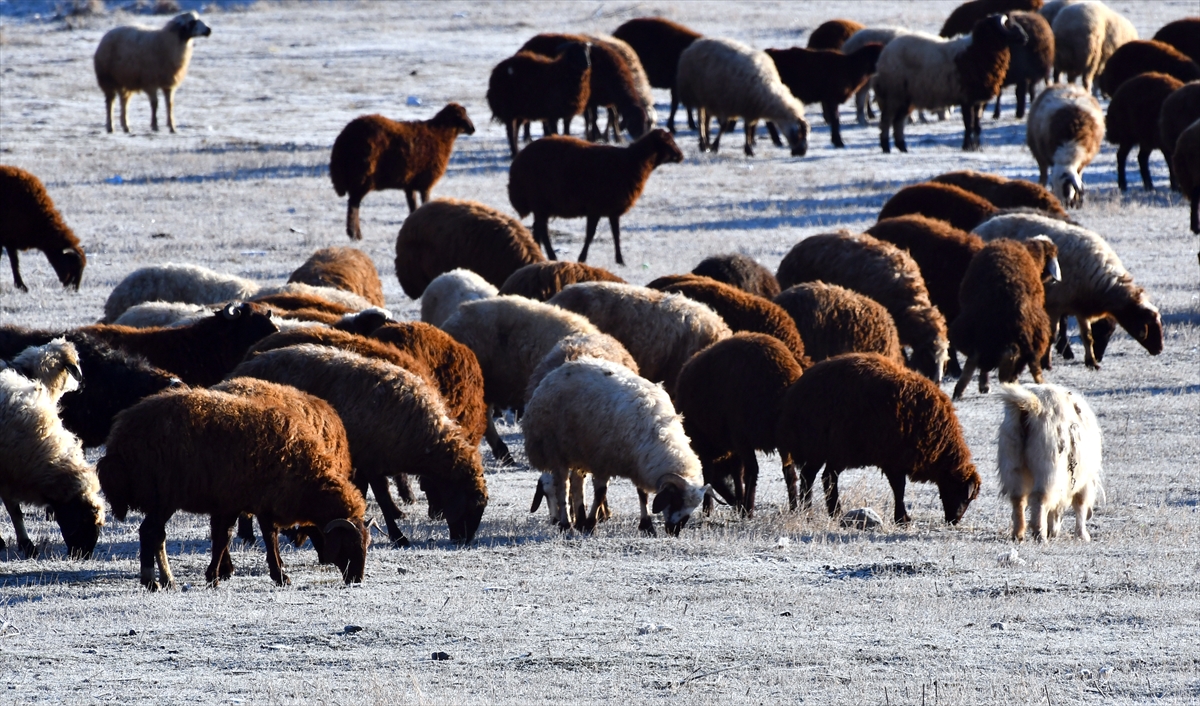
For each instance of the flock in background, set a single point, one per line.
(215, 395)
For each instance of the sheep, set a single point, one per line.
(826, 76)
(1085, 35)
(658, 43)
(883, 272)
(152, 314)
(597, 416)
(923, 71)
(1133, 119)
(661, 331)
(304, 306)
(1051, 9)
(30, 220)
(569, 178)
(1002, 321)
(1186, 164)
(1029, 64)
(832, 34)
(1094, 282)
(172, 282)
(726, 79)
(1142, 57)
(1004, 193)
(1064, 131)
(542, 280)
(447, 234)
(1182, 34)
(833, 320)
(279, 454)
(958, 207)
(529, 86)
(644, 108)
(373, 153)
(877, 35)
(741, 271)
(42, 462)
(1179, 110)
(448, 290)
(576, 346)
(137, 58)
(964, 17)
(861, 409)
(347, 269)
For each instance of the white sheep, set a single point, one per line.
(1051, 9)
(727, 80)
(152, 314)
(131, 59)
(861, 38)
(1085, 35)
(1049, 457)
(191, 284)
(441, 298)
(1065, 129)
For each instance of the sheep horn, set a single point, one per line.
(710, 493)
(231, 311)
(1052, 269)
(671, 479)
(340, 523)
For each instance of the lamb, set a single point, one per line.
(450, 289)
(832, 34)
(658, 43)
(1179, 110)
(1030, 64)
(877, 35)
(1187, 169)
(135, 58)
(1094, 282)
(1142, 57)
(833, 320)
(964, 17)
(30, 220)
(1182, 34)
(447, 234)
(1004, 193)
(569, 178)
(1064, 131)
(862, 409)
(957, 207)
(528, 86)
(726, 79)
(1085, 35)
(883, 272)
(191, 284)
(373, 153)
(542, 280)
(43, 463)
(741, 271)
(1133, 119)
(925, 72)
(661, 331)
(597, 416)
(347, 269)
(826, 76)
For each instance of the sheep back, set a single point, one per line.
(1085, 35)
(964, 17)
(170, 282)
(741, 271)
(1182, 34)
(658, 43)
(1004, 193)
(832, 34)
(833, 320)
(541, 280)
(1180, 109)
(450, 289)
(342, 268)
(960, 208)
(1146, 56)
(729, 80)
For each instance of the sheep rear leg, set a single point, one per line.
(153, 549)
(971, 118)
(390, 511)
(110, 97)
(748, 146)
(615, 126)
(690, 120)
(28, 550)
(862, 105)
(270, 533)
(1018, 518)
(702, 128)
(829, 110)
(16, 269)
(169, 95)
(499, 449)
(152, 94)
(561, 481)
(600, 509)
(808, 476)
(953, 367)
(541, 234)
(1082, 503)
(646, 525)
(1085, 337)
(829, 479)
(750, 480)
(614, 223)
(592, 222)
(789, 479)
(1122, 155)
(125, 96)
(411, 198)
(353, 228)
(897, 481)
(1062, 342)
(221, 566)
(999, 96)
(1040, 517)
(967, 372)
(579, 515)
(1144, 166)
(510, 130)
(245, 529)
(1024, 88)
(671, 115)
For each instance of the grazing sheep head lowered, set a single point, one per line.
(462, 509)
(677, 500)
(68, 265)
(1067, 186)
(797, 137)
(189, 25)
(957, 495)
(345, 547)
(1143, 322)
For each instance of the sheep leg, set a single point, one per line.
(952, 365)
(615, 126)
(774, 133)
(541, 234)
(671, 115)
(1081, 503)
(245, 529)
(270, 533)
(579, 513)
(567, 124)
(1122, 155)
(1144, 166)
(750, 475)
(969, 123)
(1085, 337)
(525, 127)
(996, 112)
(510, 130)
(862, 105)
(125, 96)
(716, 143)
(28, 550)
(748, 147)
(897, 480)
(808, 476)
(600, 510)
(646, 525)
(152, 94)
(391, 512)
(353, 229)
(496, 444)
(829, 479)
(1042, 175)
(411, 199)
(965, 379)
(702, 128)
(110, 97)
(16, 269)
(829, 110)
(169, 95)
(1024, 87)
(221, 566)
(1018, 518)
(789, 479)
(614, 223)
(561, 480)
(592, 222)
(1062, 341)
(897, 129)
(984, 385)
(153, 539)
(691, 121)
(1040, 517)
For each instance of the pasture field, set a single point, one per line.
(781, 608)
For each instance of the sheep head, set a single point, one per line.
(930, 359)
(1142, 320)
(1045, 254)
(797, 137)
(80, 520)
(68, 264)
(187, 26)
(677, 499)
(55, 365)
(345, 546)
(1067, 186)
(454, 116)
(1000, 27)
(663, 146)
(958, 488)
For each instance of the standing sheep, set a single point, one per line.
(343, 268)
(1143, 57)
(833, 320)
(528, 86)
(133, 59)
(658, 43)
(964, 17)
(741, 271)
(1064, 132)
(542, 280)
(825, 76)
(1180, 109)
(877, 35)
(1085, 35)
(1182, 34)
(832, 34)
(1004, 193)
(30, 220)
(373, 153)
(1031, 63)
(449, 290)
(1187, 169)
(1133, 119)
(960, 208)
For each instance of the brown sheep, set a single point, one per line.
(1142, 57)
(862, 409)
(825, 76)
(1029, 64)
(832, 34)
(347, 269)
(30, 220)
(285, 303)
(542, 280)
(1180, 109)
(833, 320)
(1187, 169)
(741, 271)
(373, 153)
(1004, 193)
(964, 17)
(658, 43)
(1184, 35)
(569, 178)
(1132, 119)
(447, 233)
(958, 207)
(528, 86)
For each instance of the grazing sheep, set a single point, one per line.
(1187, 169)
(1142, 57)
(574, 347)
(30, 220)
(373, 153)
(960, 208)
(1029, 64)
(877, 35)
(596, 416)
(190, 284)
(1180, 109)
(1094, 282)
(1064, 132)
(741, 271)
(569, 178)
(826, 76)
(134, 58)
(43, 463)
(727, 80)
(347, 269)
(448, 290)
(1049, 453)
(862, 409)
(1133, 119)
(832, 34)
(447, 234)
(542, 280)
(883, 272)
(964, 17)
(1004, 193)
(1085, 35)
(658, 43)
(528, 86)
(833, 320)
(1182, 34)
(644, 109)
(926, 72)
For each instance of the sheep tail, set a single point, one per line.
(1021, 399)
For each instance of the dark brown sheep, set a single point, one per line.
(1031, 63)
(447, 233)
(862, 409)
(1132, 119)
(347, 269)
(825, 76)
(964, 17)
(569, 178)
(1186, 163)
(1004, 193)
(527, 87)
(658, 43)
(832, 34)
(1142, 57)
(30, 220)
(1180, 109)
(833, 320)
(373, 153)
(542, 280)
(296, 305)
(1184, 35)
(741, 271)
(958, 207)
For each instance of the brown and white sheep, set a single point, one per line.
(1064, 132)
(964, 17)
(542, 280)
(1182, 34)
(833, 320)
(1142, 57)
(1133, 119)
(30, 220)
(741, 271)
(1085, 35)
(1004, 193)
(658, 43)
(348, 269)
(527, 87)
(1030, 64)
(1180, 109)
(945, 202)
(1187, 169)
(832, 34)
(826, 76)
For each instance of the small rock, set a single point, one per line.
(1105, 672)
(783, 542)
(1085, 674)
(440, 657)
(401, 570)
(786, 614)
(650, 628)
(131, 633)
(864, 518)
(1012, 558)
(999, 626)
(351, 629)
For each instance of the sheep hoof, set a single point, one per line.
(282, 580)
(563, 526)
(506, 459)
(646, 527)
(400, 542)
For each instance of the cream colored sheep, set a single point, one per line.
(1085, 35)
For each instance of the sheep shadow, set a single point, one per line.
(237, 147)
(48, 577)
(796, 213)
(287, 171)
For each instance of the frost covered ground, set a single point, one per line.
(779, 608)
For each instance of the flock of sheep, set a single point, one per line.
(218, 396)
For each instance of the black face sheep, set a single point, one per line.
(1004, 193)
(826, 76)
(542, 280)
(1085, 35)
(833, 320)
(373, 153)
(527, 87)
(1187, 169)
(1142, 57)
(741, 271)
(1184, 35)
(832, 34)
(945, 202)
(1180, 109)
(449, 290)
(964, 17)
(447, 234)
(133, 59)
(658, 43)
(862, 409)
(1064, 132)
(42, 462)
(30, 220)
(1094, 282)
(926, 72)
(883, 272)
(1031, 63)
(1133, 119)
(342, 268)
(568, 178)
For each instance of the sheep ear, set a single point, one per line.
(1052, 269)
(74, 371)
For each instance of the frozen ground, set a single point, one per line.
(780, 608)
